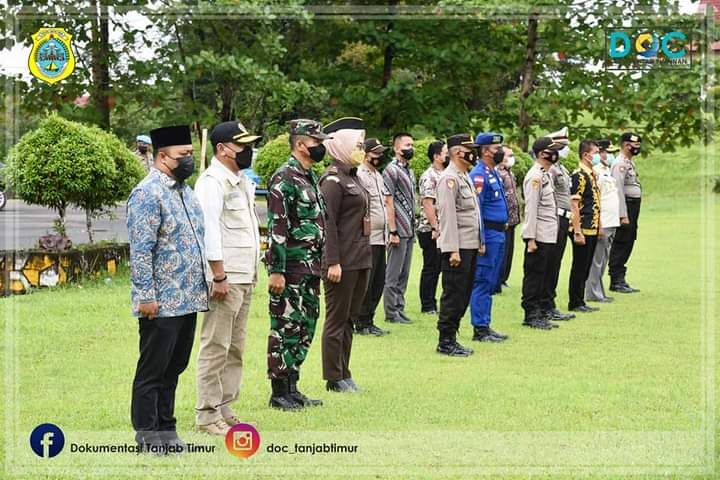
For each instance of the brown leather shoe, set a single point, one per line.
(219, 427)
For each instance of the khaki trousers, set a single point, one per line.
(220, 360)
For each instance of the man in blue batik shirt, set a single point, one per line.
(494, 214)
(167, 271)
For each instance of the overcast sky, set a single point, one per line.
(14, 61)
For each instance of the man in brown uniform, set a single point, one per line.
(539, 231)
(459, 241)
(372, 180)
(347, 255)
(630, 193)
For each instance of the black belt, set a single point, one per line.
(501, 227)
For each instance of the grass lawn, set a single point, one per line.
(627, 390)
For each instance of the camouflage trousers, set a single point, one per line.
(293, 317)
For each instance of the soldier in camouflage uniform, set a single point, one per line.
(296, 234)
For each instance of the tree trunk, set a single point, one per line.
(100, 52)
(388, 63)
(59, 224)
(88, 224)
(526, 87)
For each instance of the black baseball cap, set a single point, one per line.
(546, 143)
(630, 137)
(461, 139)
(373, 145)
(231, 132)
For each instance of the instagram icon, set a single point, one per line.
(242, 440)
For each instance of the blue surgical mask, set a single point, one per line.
(596, 159)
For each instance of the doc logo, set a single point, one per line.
(51, 58)
(47, 440)
(641, 49)
(242, 440)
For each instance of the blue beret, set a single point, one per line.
(488, 138)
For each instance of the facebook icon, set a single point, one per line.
(47, 440)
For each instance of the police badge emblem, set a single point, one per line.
(51, 58)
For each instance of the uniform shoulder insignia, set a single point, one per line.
(479, 181)
(535, 183)
(450, 182)
(333, 169)
(333, 178)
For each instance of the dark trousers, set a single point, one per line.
(537, 276)
(555, 262)
(457, 285)
(165, 346)
(507, 260)
(342, 307)
(376, 284)
(582, 261)
(623, 243)
(430, 273)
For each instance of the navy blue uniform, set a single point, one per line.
(494, 213)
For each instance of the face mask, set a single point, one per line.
(564, 152)
(446, 162)
(635, 150)
(510, 162)
(375, 161)
(243, 159)
(407, 154)
(610, 160)
(498, 157)
(317, 152)
(596, 159)
(184, 169)
(356, 157)
(470, 157)
(142, 149)
(551, 157)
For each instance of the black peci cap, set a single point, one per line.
(170, 136)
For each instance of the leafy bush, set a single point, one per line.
(63, 163)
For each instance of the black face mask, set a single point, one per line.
(317, 152)
(142, 149)
(375, 161)
(498, 157)
(551, 157)
(184, 169)
(407, 154)
(243, 159)
(470, 157)
(635, 150)
(446, 162)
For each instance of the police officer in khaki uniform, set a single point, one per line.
(372, 180)
(539, 231)
(629, 192)
(561, 181)
(347, 256)
(458, 241)
(232, 243)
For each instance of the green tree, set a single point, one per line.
(63, 163)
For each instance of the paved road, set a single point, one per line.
(23, 224)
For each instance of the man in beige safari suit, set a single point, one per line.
(233, 250)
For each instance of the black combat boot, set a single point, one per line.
(484, 334)
(281, 398)
(297, 395)
(450, 347)
(535, 320)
